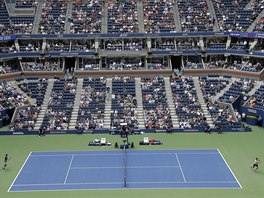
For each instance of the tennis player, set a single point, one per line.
(255, 165)
(5, 161)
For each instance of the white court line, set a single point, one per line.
(106, 154)
(147, 182)
(68, 169)
(229, 168)
(87, 167)
(67, 155)
(180, 167)
(19, 171)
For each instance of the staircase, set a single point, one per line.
(212, 12)
(67, 26)
(140, 111)
(197, 86)
(108, 105)
(44, 106)
(104, 18)
(256, 87)
(218, 95)
(175, 120)
(252, 26)
(37, 17)
(177, 18)
(31, 100)
(76, 106)
(140, 17)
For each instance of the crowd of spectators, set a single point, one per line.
(9, 96)
(92, 104)
(26, 118)
(122, 16)
(34, 88)
(60, 105)
(22, 24)
(253, 67)
(157, 63)
(129, 63)
(88, 64)
(195, 16)
(50, 64)
(260, 25)
(237, 89)
(30, 46)
(123, 45)
(83, 46)
(124, 103)
(156, 111)
(241, 44)
(9, 67)
(215, 43)
(210, 86)
(257, 99)
(86, 17)
(164, 44)
(194, 65)
(158, 16)
(134, 44)
(222, 116)
(7, 47)
(53, 17)
(232, 15)
(58, 46)
(112, 45)
(188, 108)
(5, 28)
(25, 4)
(187, 43)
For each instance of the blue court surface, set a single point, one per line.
(76, 170)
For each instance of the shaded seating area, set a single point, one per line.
(210, 86)
(155, 105)
(158, 16)
(34, 88)
(92, 104)
(188, 108)
(124, 104)
(122, 16)
(86, 17)
(53, 17)
(22, 24)
(9, 96)
(237, 89)
(26, 118)
(222, 116)
(257, 99)
(195, 16)
(58, 114)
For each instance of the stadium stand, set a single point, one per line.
(156, 111)
(208, 54)
(80, 23)
(53, 17)
(122, 16)
(195, 16)
(92, 104)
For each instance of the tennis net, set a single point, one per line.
(125, 166)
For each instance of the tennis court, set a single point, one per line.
(76, 170)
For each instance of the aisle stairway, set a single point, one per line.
(44, 106)
(140, 110)
(108, 104)
(209, 119)
(170, 101)
(76, 106)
